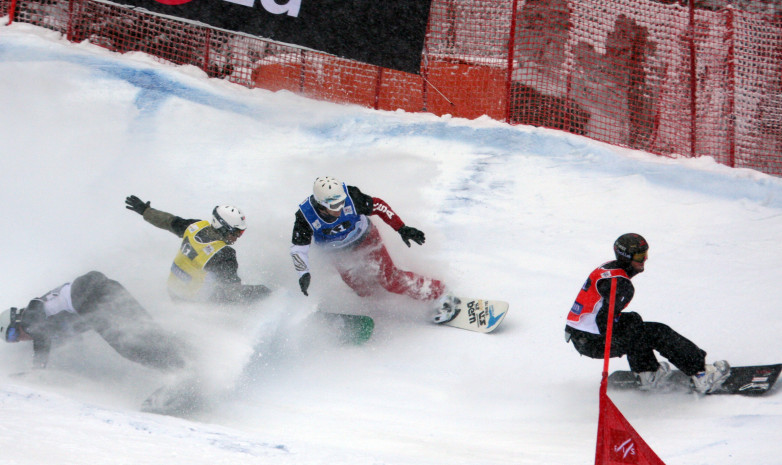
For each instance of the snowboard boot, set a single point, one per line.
(445, 309)
(710, 379)
(651, 380)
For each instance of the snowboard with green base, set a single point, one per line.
(184, 397)
(347, 328)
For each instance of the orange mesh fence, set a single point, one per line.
(662, 76)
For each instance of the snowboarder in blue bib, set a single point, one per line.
(205, 267)
(335, 217)
(632, 336)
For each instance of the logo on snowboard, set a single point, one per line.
(482, 317)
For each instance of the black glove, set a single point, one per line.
(304, 282)
(413, 234)
(136, 204)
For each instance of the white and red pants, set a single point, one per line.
(367, 267)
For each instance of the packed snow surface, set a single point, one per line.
(520, 214)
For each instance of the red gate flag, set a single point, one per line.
(617, 441)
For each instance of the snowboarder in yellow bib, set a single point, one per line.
(205, 266)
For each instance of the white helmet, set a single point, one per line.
(329, 192)
(228, 219)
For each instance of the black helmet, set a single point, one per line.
(628, 245)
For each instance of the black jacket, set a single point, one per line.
(624, 294)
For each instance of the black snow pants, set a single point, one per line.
(109, 309)
(638, 340)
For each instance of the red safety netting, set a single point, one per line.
(660, 76)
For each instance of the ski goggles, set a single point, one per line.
(14, 332)
(333, 204)
(337, 205)
(640, 257)
(12, 335)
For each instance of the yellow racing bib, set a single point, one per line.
(188, 279)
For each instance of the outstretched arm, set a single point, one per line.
(367, 205)
(158, 218)
(408, 233)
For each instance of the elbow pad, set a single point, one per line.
(301, 260)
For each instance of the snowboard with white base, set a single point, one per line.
(480, 315)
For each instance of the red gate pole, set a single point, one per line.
(511, 53)
(11, 12)
(208, 39)
(303, 70)
(425, 62)
(693, 83)
(731, 89)
(378, 85)
(603, 401)
(71, 19)
(609, 334)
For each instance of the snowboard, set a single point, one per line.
(178, 399)
(746, 380)
(483, 316)
(346, 328)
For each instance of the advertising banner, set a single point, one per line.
(386, 33)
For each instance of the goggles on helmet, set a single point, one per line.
(336, 205)
(13, 333)
(640, 257)
(335, 202)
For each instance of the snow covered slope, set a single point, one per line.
(513, 213)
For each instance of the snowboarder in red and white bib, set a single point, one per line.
(632, 336)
